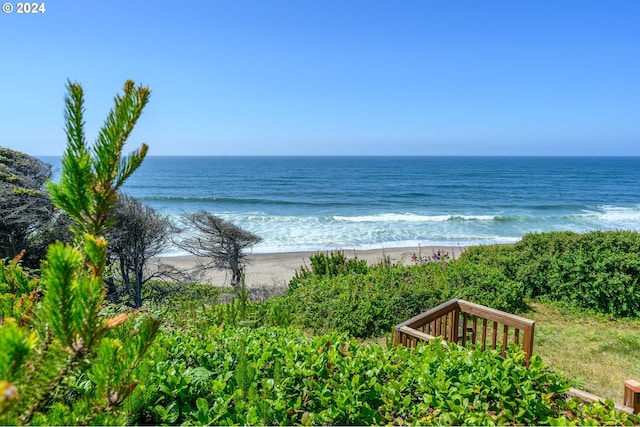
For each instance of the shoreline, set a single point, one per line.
(275, 270)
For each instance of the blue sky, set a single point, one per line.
(333, 77)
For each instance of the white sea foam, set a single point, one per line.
(618, 213)
(410, 217)
(290, 233)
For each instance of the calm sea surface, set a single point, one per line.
(321, 203)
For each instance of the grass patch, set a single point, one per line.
(597, 351)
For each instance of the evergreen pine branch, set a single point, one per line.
(74, 123)
(116, 129)
(129, 164)
(48, 393)
(61, 277)
(73, 192)
(70, 329)
(91, 293)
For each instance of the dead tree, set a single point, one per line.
(139, 234)
(220, 243)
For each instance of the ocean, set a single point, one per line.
(325, 203)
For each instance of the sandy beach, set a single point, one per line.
(274, 270)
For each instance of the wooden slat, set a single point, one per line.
(464, 329)
(516, 336)
(494, 336)
(527, 343)
(474, 332)
(453, 326)
(505, 339)
(484, 334)
(443, 325)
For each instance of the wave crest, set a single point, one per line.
(409, 217)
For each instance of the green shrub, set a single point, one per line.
(370, 301)
(537, 260)
(270, 376)
(366, 304)
(328, 265)
(602, 273)
(484, 285)
(19, 292)
(599, 270)
(182, 296)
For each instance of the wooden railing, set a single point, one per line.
(464, 323)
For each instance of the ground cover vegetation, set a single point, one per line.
(270, 375)
(244, 363)
(70, 356)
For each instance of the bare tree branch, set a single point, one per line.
(138, 236)
(220, 242)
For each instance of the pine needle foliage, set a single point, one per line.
(91, 176)
(62, 361)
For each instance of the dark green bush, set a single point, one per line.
(537, 259)
(597, 270)
(601, 273)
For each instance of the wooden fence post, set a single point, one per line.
(632, 395)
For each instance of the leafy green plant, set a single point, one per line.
(267, 376)
(66, 363)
